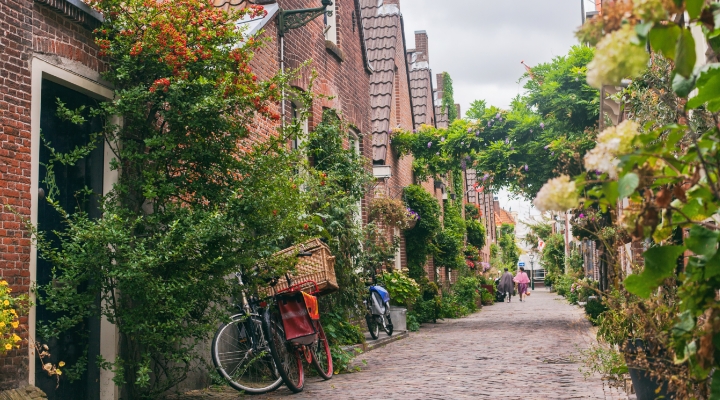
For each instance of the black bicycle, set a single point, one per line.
(241, 352)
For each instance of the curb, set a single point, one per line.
(374, 344)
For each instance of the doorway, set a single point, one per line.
(80, 347)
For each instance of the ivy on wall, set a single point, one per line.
(419, 240)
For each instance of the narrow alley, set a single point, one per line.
(506, 351)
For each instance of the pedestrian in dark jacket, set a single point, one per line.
(507, 285)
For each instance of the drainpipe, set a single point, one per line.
(282, 94)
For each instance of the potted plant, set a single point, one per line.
(637, 327)
(404, 291)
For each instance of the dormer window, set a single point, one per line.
(331, 33)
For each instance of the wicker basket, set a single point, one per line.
(320, 267)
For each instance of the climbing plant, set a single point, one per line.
(419, 240)
(448, 98)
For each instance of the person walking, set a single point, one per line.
(522, 281)
(506, 285)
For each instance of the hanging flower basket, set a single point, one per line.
(413, 219)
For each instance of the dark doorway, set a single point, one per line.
(83, 344)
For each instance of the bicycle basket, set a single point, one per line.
(318, 268)
(298, 325)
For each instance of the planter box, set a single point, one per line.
(399, 318)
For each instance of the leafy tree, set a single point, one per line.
(545, 133)
(508, 247)
(476, 110)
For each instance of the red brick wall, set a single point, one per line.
(26, 27)
(346, 81)
(15, 50)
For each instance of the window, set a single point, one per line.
(297, 142)
(354, 144)
(398, 254)
(331, 33)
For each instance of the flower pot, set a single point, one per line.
(399, 318)
(411, 224)
(646, 387)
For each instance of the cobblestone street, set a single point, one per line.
(506, 351)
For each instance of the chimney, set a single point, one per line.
(397, 2)
(440, 83)
(598, 6)
(421, 46)
(457, 107)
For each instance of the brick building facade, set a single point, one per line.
(389, 100)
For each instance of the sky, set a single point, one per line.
(481, 43)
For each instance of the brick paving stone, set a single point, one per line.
(506, 351)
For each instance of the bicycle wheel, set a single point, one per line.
(321, 357)
(373, 326)
(242, 357)
(286, 356)
(388, 327)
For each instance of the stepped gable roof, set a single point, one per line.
(421, 90)
(503, 217)
(382, 34)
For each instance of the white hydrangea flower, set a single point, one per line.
(558, 194)
(612, 142)
(650, 10)
(617, 57)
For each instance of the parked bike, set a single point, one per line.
(378, 310)
(266, 343)
(292, 324)
(241, 352)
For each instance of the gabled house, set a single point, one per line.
(389, 100)
(421, 84)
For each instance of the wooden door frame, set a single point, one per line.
(75, 78)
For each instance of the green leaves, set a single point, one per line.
(685, 54)
(694, 8)
(702, 241)
(663, 39)
(681, 85)
(708, 84)
(628, 184)
(660, 264)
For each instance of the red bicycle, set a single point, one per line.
(292, 326)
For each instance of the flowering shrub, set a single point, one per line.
(197, 199)
(618, 56)
(9, 307)
(558, 194)
(612, 141)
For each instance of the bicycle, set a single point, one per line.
(240, 350)
(294, 335)
(377, 305)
